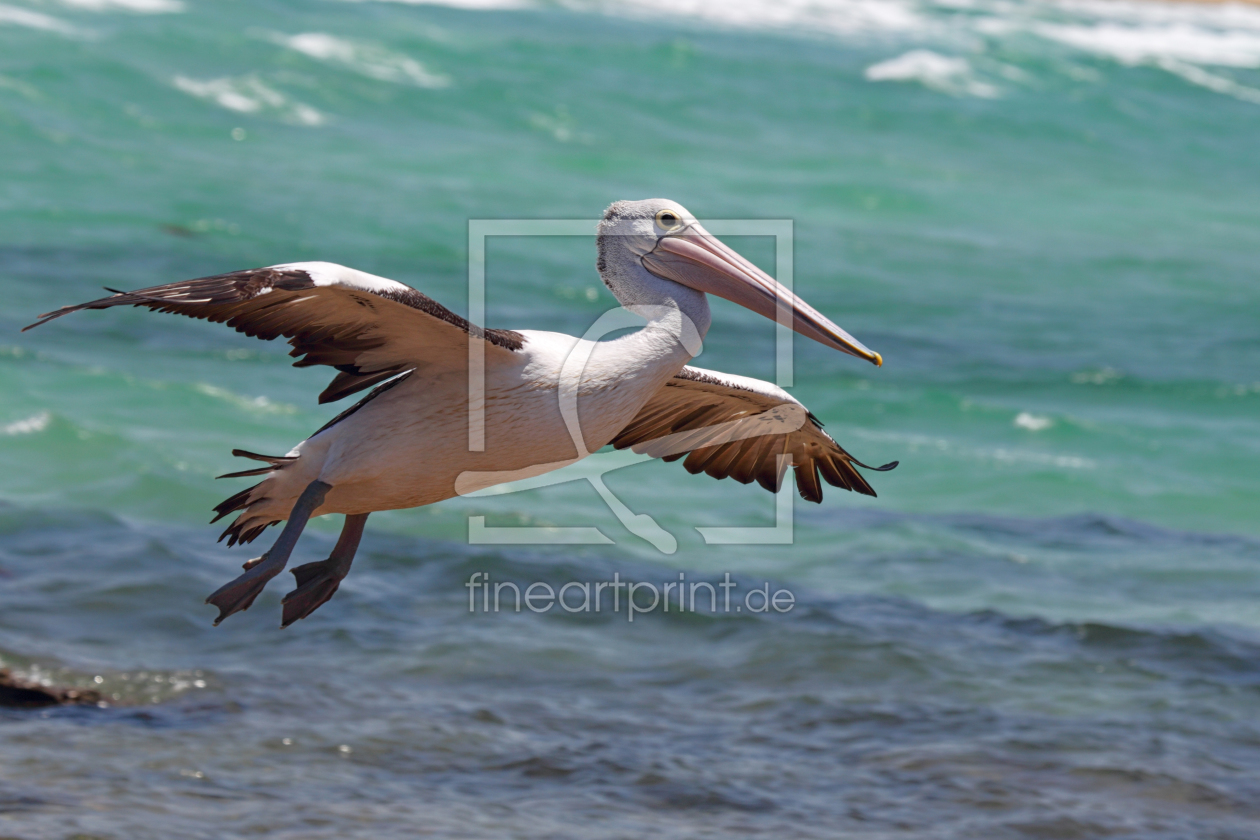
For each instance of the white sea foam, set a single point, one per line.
(1127, 31)
(368, 59)
(249, 95)
(1070, 462)
(1150, 44)
(142, 6)
(260, 405)
(1214, 15)
(1032, 422)
(837, 17)
(482, 5)
(34, 423)
(834, 16)
(1181, 38)
(933, 70)
(1211, 81)
(35, 20)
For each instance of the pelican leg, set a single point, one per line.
(317, 582)
(240, 593)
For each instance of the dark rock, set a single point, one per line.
(24, 694)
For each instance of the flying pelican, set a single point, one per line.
(406, 444)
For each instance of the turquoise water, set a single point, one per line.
(1044, 216)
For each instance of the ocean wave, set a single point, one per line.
(1211, 81)
(1032, 422)
(30, 425)
(1178, 38)
(915, 442)
(1151, 44)
(36, 20)
(478, 5)
(1227, 15)
(150, 7)
(366, 59)
(1114, 26)
(843, 17)
(946, 74)
(259, 405)
(838, 17)
(1207, 653)
(249, 95)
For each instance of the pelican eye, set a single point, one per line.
(668, 221)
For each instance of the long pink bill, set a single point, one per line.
(698, 259)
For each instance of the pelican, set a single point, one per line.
(407, 443)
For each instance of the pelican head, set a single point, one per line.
(661, 239)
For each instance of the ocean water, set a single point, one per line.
(1046, 217)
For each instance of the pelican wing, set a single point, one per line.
(742, 428)
(367, 327)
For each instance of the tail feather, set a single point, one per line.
(239, 533)
(246, 527)
(238, 501)
(274, 460)
(244, 473)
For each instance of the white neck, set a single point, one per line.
(673, 335)
(677, 316)
(618, 376)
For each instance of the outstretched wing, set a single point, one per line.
(740, 427)
(367, 327)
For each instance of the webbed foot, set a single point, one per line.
(238, 595)
(317, 582)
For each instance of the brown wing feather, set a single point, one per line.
(729, 428)
(367, 334)
(744, 470)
